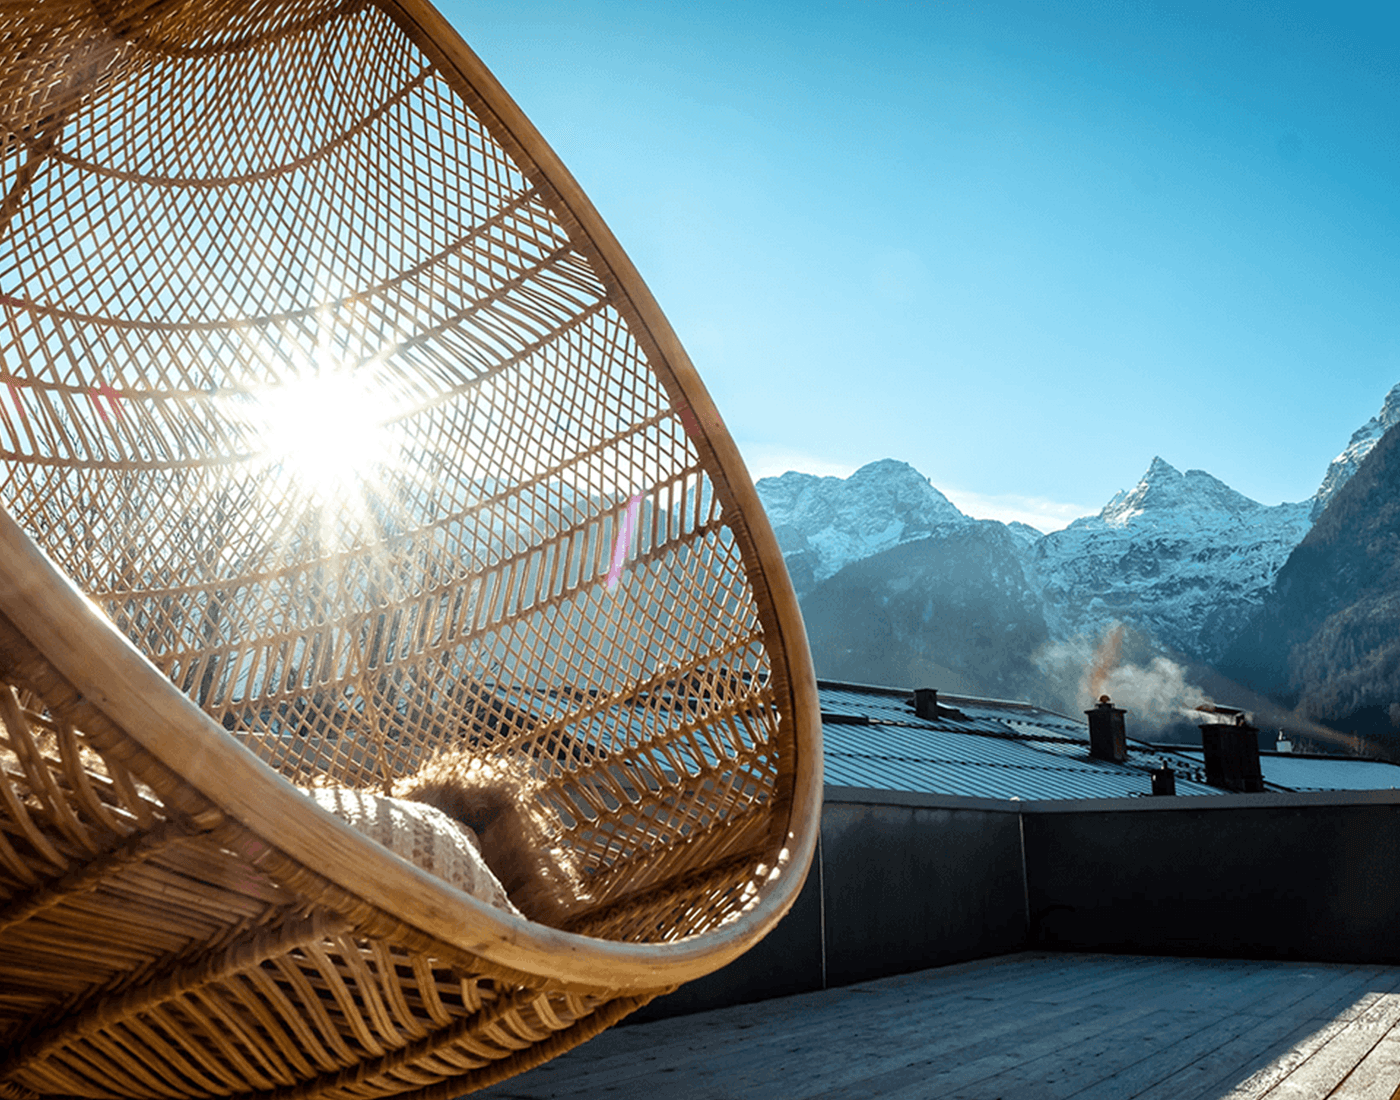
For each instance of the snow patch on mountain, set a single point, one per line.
(1164, 490)
(1025, 535)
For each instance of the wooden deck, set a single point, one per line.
(1020, 1027)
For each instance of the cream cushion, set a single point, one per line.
(421, 834)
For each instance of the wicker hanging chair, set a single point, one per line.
(339, 439)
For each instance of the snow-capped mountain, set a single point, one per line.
(825, 523)
(1362, 440)
(1025, 535)
(1183, 556)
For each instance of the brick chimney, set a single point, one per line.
(1231, 747)
(1108, 736)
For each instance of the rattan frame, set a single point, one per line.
(294, 956)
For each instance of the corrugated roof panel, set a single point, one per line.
(991, 715)
(1061, 730)
(949, 746)
(943, 762)
(976, 780)
(954, 745)
(832, 703)
(1012, 713)
(891, 707)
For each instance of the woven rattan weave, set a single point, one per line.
(337, 433)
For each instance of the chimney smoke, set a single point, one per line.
(1106, 659)
(1122, 665)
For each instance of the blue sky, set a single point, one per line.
(1024, 247)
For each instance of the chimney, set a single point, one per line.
(1231, 748)
(1163, 779)
(1108, 737)
(926, 703)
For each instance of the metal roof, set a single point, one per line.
(988, 748)
(951, 762)
(981, 748)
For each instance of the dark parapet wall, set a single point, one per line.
(906, 882)
(1282, 877)
(911, 887)
(901, 883)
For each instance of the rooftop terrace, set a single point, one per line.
(1019, 1027)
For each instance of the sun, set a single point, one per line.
(327, 433)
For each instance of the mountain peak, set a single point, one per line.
(833, 521)
(1341, 468)
(1166, 490)
(1390, 408)
(890, 469)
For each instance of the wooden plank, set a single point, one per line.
(883, 1043)
(1141, 1072)
(1030, 1050)
(1092, 1027)
(821, 1043)
(1099, 974)
(1069, 1068)
(1378, 1074)
(1203, 985)
(1051, 1078)
(1249, 1053)
(1161, 1060)
(1326, 990)
(803, 1021)
(852, 1071)
(1276, 1024)
(1031, 1057)
(1329, 1066)
(1319, 1063)
(1034, 974)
